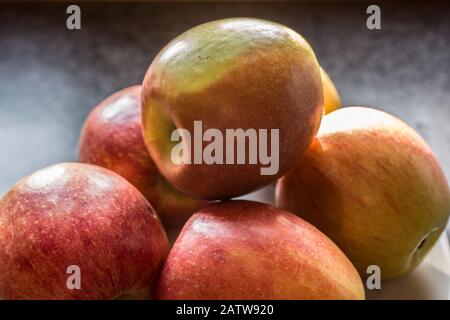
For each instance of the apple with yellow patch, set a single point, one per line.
(238, 73)
(331, 97)
(373, 185)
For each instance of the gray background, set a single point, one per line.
(51, 77)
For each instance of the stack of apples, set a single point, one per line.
(355, 187)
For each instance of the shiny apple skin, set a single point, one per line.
(84, 215)
(248, 250)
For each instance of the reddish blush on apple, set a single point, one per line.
(248, 250)
(112, 138)
(78, 215)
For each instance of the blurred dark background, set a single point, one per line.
(50, 77)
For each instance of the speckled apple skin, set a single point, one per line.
(231, 73)
(373, 185)
(249, 250)
(112, 138)
(84, 215)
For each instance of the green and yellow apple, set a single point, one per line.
(112, 138)
(239, 73)
(372, 185)
(249, 250)
(78, 215)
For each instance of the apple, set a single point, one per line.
(77, 216)
(238, 73)
(249, 250)
(331, 98)
(372, 185)
(112, 138)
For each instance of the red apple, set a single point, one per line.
(372, 185)
(248, 250)
(78, 215)
(112, 138)
(230, 74)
